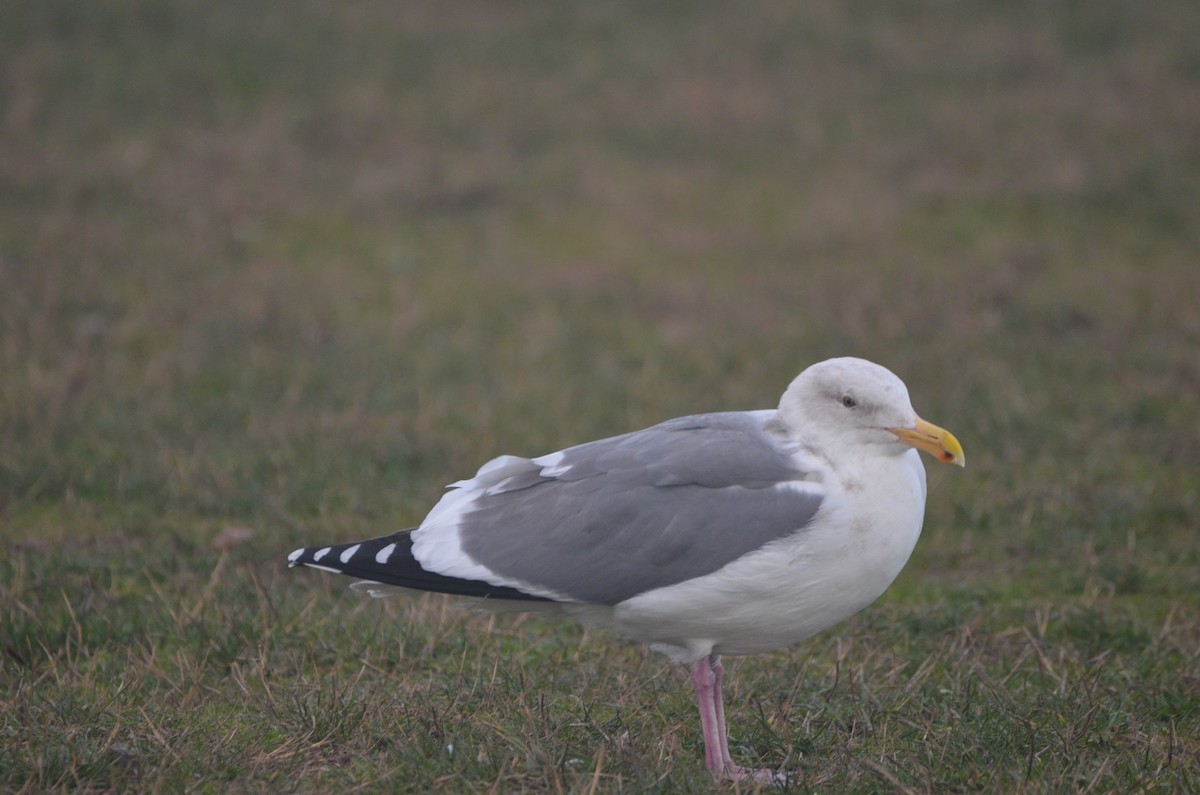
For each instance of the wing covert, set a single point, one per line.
(621, 516)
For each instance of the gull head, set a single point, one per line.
(850, 403)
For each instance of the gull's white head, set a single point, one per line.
(854, 402)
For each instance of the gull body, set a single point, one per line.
(718, 534)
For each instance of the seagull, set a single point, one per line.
(711, 535)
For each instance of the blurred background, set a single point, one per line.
(291, 267)
(321, 258)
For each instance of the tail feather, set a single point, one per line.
(389, 560)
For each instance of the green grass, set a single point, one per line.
(289, 268)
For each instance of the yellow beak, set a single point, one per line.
(938, 442)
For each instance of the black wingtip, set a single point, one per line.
(389, 560)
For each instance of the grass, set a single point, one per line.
(272, 274)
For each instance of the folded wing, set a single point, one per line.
(608, 520)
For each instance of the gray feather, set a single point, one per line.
(640, 511)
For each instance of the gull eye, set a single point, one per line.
(848, 401)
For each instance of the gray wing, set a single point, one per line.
(615, 518)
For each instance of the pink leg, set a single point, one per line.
(719, 703)
(704, 680)
(707, 673)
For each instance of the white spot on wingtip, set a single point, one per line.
(329, 569)
(382, 556)
(349, 553)
(296, 554)
(320, 553)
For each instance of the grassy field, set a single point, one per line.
(273, 273)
